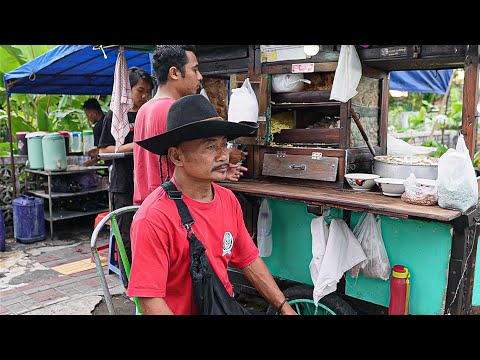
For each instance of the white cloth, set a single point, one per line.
(121, 100)
(335, 251)
(347, 75)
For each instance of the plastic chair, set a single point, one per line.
(112, 217)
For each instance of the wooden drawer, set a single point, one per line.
(313, 167)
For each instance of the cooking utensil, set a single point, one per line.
(386, 169)
(360, 127)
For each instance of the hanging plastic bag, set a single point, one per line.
(369, 234)
(243, 104)
(320, 231)
(347, 75)
(288, 83)
(332, 257)
(457, 181)
(264, 229)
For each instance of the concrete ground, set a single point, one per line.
(34, 282)
(31, 283)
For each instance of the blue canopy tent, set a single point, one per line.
(69, 70)
(425, 81)
(72, 70)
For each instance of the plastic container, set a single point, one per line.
(399, 291)
(87, 141)
(264, 229)
(76, 142)
(28, 219)
(35, 152)
(54, 155)
(66, 137)
(2, 232)
(22, 148)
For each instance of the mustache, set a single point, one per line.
(220, 167)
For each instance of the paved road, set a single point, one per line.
(30, 282)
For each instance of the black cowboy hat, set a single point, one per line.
(194, 117)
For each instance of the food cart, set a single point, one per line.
(301, 170)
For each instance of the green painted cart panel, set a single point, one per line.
(423, 246)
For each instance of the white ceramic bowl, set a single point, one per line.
(361, 182)
(391, 186)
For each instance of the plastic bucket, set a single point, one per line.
(22, 148)
(54, 156)
(35, 153)
(28, 219)
(66, 137)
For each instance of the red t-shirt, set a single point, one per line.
(151, 121)
(161, 250)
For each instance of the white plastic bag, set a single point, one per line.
(288, 82)
(335, 250)
(264, 229)
(347, 75)
(420, 191)
(398, 147)
(369, 233)
(243, 104)
(457, 181)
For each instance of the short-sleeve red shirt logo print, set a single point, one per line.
(227, 243)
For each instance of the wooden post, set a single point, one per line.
(470, 98)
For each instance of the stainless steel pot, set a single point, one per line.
(402, 171)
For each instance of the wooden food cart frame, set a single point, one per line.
(376, 60)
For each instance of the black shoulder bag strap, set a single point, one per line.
(209, 292)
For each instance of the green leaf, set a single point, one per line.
(42, 119)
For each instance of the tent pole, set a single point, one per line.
(12, 158)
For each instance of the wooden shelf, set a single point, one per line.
(305, 105)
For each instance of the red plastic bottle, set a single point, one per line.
(399, 291)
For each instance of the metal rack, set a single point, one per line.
(56, 215)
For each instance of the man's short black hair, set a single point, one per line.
(166, 56)
(92, 104)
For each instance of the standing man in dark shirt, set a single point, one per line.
(121, 176)
(96, 116)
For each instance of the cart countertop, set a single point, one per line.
(370, 201)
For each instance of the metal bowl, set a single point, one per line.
(386, 169)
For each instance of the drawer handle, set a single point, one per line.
(298, 167)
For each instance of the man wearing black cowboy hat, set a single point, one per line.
(196, 143)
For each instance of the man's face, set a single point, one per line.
(189, 84)
(203, 159)
(140, 93)
(90, 114)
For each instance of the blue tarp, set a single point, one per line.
(425, 81)
(71, 69)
